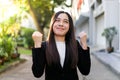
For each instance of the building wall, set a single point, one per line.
(103, 14)
(111, 8)
(83, 27)
(119, 25)
(111, 12)
(83, 24)
(74, 11)
(100, 40)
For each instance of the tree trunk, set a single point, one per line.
(34, 17)
(110, 43)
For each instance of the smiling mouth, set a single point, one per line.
(60, 28)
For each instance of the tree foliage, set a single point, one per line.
(109, 34)
(41, 10)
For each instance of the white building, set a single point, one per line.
(80, 16)
(101, 14)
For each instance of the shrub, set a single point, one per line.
(109, 34)
(26, 34)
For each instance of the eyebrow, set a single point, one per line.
(64, 19)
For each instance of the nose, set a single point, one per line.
(61, 23)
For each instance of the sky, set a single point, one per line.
(7, 9)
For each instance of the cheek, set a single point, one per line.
(67, 28)
(54, 29)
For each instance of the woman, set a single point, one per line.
(61, 54)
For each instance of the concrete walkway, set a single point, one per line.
(23, 72)
(20, 72)
(111, 60)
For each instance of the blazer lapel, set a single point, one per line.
(67, 60)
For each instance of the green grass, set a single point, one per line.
(22, 50)
(8, 63)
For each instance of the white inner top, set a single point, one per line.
(61, 49)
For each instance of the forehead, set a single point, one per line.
(63, 16)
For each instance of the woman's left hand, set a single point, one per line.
(83, 39)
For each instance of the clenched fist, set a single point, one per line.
(37, 38)
(83, 39)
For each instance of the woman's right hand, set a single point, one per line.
(37, 38)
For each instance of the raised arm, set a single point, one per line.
(38, 55)
(84, 61)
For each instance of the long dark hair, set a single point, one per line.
(71, 43)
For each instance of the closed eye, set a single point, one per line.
(66, 21)
(57, 20)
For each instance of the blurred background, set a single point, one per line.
(100, 19)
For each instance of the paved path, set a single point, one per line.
(100, 71)
(23, 72)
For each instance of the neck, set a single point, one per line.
(60, 38)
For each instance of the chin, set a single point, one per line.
(62, 35)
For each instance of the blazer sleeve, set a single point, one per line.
(38, 58)
(84, 61)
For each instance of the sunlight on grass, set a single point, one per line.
(22, 50)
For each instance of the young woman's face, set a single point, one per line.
(61, 25)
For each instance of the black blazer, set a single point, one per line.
(56, 71)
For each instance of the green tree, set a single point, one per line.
(41, 10)
(9, 30)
